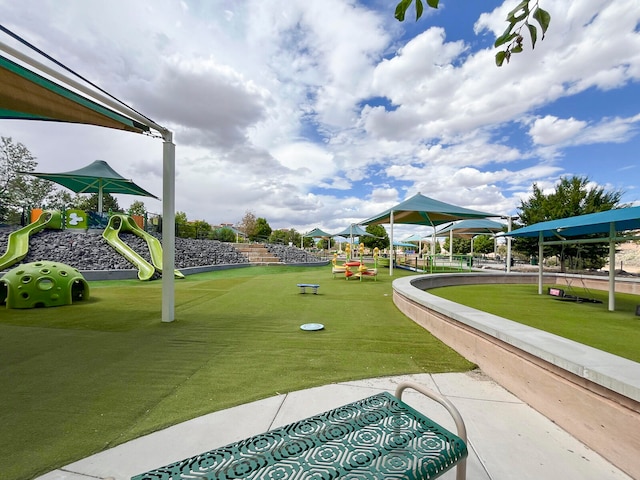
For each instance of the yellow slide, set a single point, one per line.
(125, 223)
(18, 244)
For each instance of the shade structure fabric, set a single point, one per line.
(404, 244)
(620, 219)
(471, 228)
(354, 231)
(318, 233)
(28, 95)
(416, 237)
(422, 210)
(97, 177)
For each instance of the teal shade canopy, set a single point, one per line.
(471, 228)
(618, 220)
(422, 210)
(97, 177)
(318, 233)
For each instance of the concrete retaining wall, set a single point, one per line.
(593, 395)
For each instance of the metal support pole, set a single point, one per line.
(168, 228)
(508, 269)
(612, 267)
(392, 249)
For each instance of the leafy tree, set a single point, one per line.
(262, 230)
(201, 229)
(248, 224)
(181, 218)
(461, 246)
(183, 228)
(573, 196)
(138, 208)
(60, 200)
(483, 244)
(17, 190)
(285, 236)
(224, 234)
(521, 16)
(89, 203)
(381, 239)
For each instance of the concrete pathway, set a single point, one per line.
(507, 438)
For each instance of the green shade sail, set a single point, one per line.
(318, 233)
(97, 177)
(471, 228)
(354, 231)
(26, 95)
(618, 220)
(422, 210)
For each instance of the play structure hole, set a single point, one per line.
(63, 273)
(26, 279)
(45, 271)
(45, 283)
(77, 290)
(24, 295)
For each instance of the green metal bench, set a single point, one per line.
(377, 437)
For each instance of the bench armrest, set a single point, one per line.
(461, 469)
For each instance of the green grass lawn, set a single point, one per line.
(78, 379)
(592, 324)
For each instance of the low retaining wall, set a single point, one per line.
(95, 275)
(593, 395)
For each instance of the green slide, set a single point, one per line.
(125, 223)
(18, 244)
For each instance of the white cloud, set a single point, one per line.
(552, 130)
(318, 114)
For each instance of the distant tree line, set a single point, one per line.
(572, 196)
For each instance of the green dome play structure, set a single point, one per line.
(42, 284)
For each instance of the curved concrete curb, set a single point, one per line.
(592, 394)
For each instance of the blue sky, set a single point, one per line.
(324, 113)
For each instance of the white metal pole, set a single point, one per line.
(508, 269)
(540, 254)
(100, 193)
(392, 251)
(612, 267)
(168, 227)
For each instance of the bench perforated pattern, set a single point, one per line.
(377, 437)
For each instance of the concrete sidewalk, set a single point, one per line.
(507, 439)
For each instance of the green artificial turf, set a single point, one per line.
(78, 379)
(616, 332)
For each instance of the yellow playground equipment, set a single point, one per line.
(360, 270)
